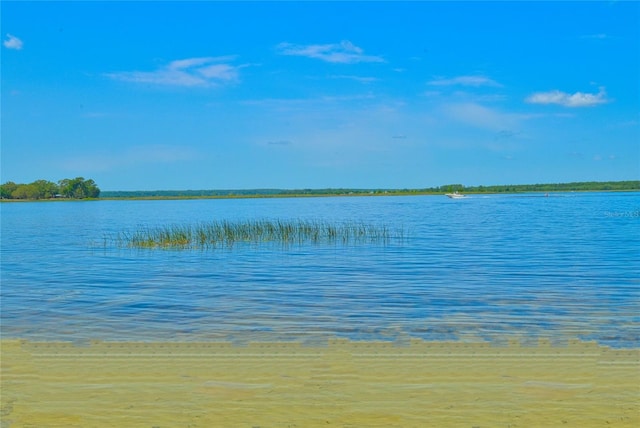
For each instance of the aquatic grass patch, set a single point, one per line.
(226, 234)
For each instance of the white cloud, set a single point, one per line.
(344, 52)
(465, 81)
(579, 99)
(12, 42)
(204, 71)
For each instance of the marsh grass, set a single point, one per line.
(226, 234)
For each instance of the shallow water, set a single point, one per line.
(480, 268)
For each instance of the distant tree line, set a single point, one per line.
(187, 193)
(447, 188)
(582, 186)
(76, 188)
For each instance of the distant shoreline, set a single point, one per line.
(590, 186)
(327, 195)
(612, 186)
(293, 196)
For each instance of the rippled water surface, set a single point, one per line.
(480, 268)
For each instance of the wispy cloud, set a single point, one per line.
(344, 52)
(599, 36)
(505, 134)
(360, 79)
(95, 114)
(479, 116)
(299, 104)
(465, 81)
(12, 42)
(202, 71)
(136, 155)
(279, 143)
(578, 99)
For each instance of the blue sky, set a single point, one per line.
(228, 95)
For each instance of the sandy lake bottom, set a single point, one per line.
(342, 384)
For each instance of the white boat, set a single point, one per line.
(455, 195)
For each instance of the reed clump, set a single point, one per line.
(225, 233)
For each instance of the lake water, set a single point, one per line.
(482, 268)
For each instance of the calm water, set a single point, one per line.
(482, 268)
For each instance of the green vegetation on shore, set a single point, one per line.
(76, 188)
(79, 188)
(226, 234)
(265, 193)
